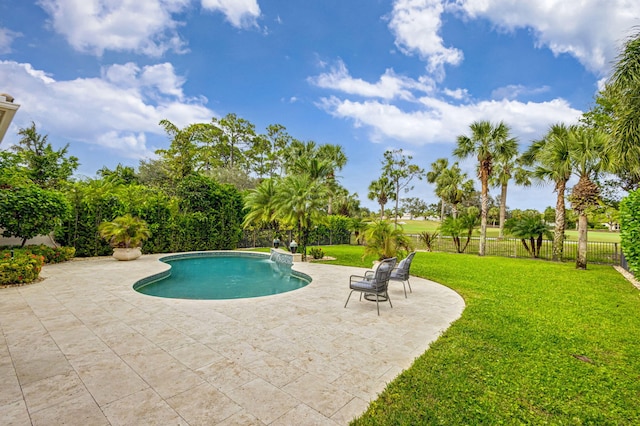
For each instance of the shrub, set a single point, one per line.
(52, 254)
(630, 230)
(22, 268)
(316, 252)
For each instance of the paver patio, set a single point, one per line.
(82, 347)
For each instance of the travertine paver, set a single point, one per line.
(82, 347)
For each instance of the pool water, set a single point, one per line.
(223, 277)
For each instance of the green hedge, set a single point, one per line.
(630, 230)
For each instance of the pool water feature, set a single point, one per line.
(222, 275)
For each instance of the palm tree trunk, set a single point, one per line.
(441, 210)
(484, 177)
(581, 258)
(558, 232)
(503, 209)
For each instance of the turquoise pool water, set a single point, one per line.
(222, 276)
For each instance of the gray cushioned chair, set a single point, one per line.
(373, 283)
(401, 272)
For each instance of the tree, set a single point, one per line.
(381, 190)
(437, 168)
(461, 226)
(399, 170)
(414, 206)
(506, 168)
(487, 142)
(124, 175)
(261, 206)
(589, 159)
(237, 134)
(180, 158)
(531, 227)
(27, 211)
(385, 242)
(299, 201)
(622, 99)
(453, 186)
(551, 159)
(45, 167)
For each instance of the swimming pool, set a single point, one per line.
(221, 275)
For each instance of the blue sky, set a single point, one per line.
(369, 75)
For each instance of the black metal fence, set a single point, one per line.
(264, 238)
(597, 252)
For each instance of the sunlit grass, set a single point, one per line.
(538, 343)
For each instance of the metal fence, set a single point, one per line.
(264, 238)
(597, 252)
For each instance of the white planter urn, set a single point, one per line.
(130, 253)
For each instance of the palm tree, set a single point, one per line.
(487, 142)
(505, 169)
(530, 227)
(437, 167)
(261, 206)
(587, 150)
(385, 241)
(301, 201)
(552, 161)
(381, 190)
(453, 186)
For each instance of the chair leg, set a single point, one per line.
(405, 289)
(377, 304)
(389, 299)
(348, 297)
(409, 284)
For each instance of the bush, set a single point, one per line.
(630, 230)
(316, 252)
(22, 268)
(52, 254)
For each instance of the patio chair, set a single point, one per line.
(401, 272)
(373, 283)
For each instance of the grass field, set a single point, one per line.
(416, 226)
(538, 343)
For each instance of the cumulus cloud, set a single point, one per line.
(591, 31)
(438, 121)
(146, 27)
(416, 26)
(6, 38)
(240, 13)
(118, 110)
(390, 85)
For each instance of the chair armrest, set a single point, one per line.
(353, 278)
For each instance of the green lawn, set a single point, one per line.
(538, 343)
(416, 226)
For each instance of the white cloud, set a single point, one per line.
(416, 26)
(514, 91)
(390, 85)
(590, 30)
(6, 38)
(240, 13)
(94, 26)
(119, 110)
(439, 121)
(141, 26)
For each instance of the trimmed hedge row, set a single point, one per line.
(630, 230)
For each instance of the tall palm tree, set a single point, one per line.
(381, 190)
(487, 142)
(587, 150)
(437, 167)
(505, 169)
(551, 159)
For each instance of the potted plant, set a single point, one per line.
(383, 241)
(126, 235)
